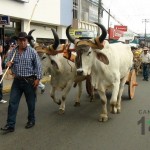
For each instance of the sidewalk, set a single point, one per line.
(8, 82)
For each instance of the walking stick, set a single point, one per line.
(7, 67)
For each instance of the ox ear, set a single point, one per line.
(102, 57)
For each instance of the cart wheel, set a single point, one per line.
(132, 84)
(88, 85)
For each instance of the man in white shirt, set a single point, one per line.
(145, 63)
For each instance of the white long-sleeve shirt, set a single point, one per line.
(145, 58)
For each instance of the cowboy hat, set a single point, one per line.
(22, 35)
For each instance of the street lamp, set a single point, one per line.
(146, 21)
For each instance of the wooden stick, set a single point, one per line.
(32, 14)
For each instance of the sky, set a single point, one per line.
(131, 13)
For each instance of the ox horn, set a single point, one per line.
(71, 39)
(30, 38)
(30, 32)
(56, 39)
(104, 32)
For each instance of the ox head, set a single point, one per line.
(88, 50)
(47, 55)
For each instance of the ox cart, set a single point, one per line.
(69, 54)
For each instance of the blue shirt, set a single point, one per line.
(26, 64)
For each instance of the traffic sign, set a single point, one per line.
(4, 20)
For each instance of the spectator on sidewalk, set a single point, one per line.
(12, 45)
(1, 74)
(145, 63)
(26, 67)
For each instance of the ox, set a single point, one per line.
(108, 65)
(63, 72)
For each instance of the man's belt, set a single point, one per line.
(25, 78)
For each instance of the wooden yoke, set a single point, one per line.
(49, 50)
(64, 48)
(68, 53)
(96, 45)
(100, 45)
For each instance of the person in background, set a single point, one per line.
(42, 87)
(27, 71)
(145, 56)
(1, 74)
(12, 44)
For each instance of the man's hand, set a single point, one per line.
(36, 83)
(9, 63)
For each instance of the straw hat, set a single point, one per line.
(145, 49)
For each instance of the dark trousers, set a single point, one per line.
(145, 70)
(20, 86)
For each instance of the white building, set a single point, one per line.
(44, 15)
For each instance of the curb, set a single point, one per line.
(44, 80)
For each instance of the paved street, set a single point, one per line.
(78, 128)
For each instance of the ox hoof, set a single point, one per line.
(103, 118)
(61, 112)
(77, 104)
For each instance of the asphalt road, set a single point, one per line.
(78, 128)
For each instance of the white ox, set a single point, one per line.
(108, 65)
(63, 73)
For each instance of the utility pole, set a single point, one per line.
(99, 13)
(108, 18)
(145, 21)
(79, 10)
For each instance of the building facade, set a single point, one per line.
(41, 15)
